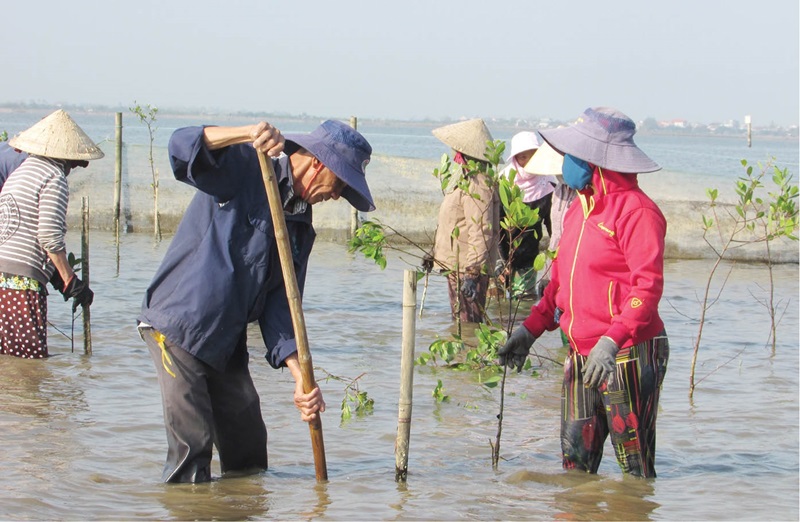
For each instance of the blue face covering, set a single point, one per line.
(577, 173)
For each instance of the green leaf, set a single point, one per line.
(492, 382)
(539, 262)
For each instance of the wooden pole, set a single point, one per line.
(87, 324)
(354, 221)
(117, 172)
(406, 376)
(295, 307)
(117, 181)
(748, 120)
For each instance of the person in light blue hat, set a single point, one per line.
(222, 271)
(606, 283)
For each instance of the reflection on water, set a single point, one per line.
(83, 437)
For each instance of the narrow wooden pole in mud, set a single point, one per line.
(295, 307)
(117, 171)
(87, 325)
(353, 210)
(406, 376)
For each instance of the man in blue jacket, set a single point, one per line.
(222, 271)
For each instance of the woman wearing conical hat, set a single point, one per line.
(470, 255)
(33, 212)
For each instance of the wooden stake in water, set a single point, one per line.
(87, 325)
(406, 376)
(748, 121)
(117, 179)
(117, 171)
(353, 210)
(295, 307)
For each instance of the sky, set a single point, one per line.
(705, 61)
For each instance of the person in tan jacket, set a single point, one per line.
(467, 234)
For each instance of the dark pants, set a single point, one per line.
(626, 410)
(203, 408)
(521, 257)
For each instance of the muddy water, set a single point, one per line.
(83, 437)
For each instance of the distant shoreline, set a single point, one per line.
(771, 133)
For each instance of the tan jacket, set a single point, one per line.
(478, 221)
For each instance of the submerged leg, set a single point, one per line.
(583, 423)
(187, 410)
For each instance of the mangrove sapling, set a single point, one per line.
(452, 352)
(752, 220)
(438, 392)
(355, 400)
(147, 115)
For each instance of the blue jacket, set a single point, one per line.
(10, 159)
(222, 269)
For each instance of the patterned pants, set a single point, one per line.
(626, 410)
(23, 323)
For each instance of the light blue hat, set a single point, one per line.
(602, 136)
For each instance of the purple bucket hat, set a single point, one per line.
(602, 136)
(346, 152)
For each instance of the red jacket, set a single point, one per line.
(608, 274)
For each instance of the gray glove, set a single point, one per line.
(516, 349)
(601, 363)
(469, 287)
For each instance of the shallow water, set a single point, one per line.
(83, 436)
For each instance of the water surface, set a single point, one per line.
(83, 436)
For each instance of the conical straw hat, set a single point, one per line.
(545, 162)
(467, 137)
(57, 136)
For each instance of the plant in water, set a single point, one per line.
(370, 240)
(147, 115)
(753, 219)
(438, 392)
(518, 219)
(355, 400)
(453, 353)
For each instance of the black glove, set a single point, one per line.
(516, 349)
(469, 287)
(80, 291)
(601, 363)
(427, 262)
(57, 281)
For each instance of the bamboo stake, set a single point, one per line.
(87, 324)
(117, 172)
(406, 376)
(295, 307)
(117, 180)
(424, 293)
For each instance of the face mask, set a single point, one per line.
(577, 173)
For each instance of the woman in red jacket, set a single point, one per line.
(605, 287)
